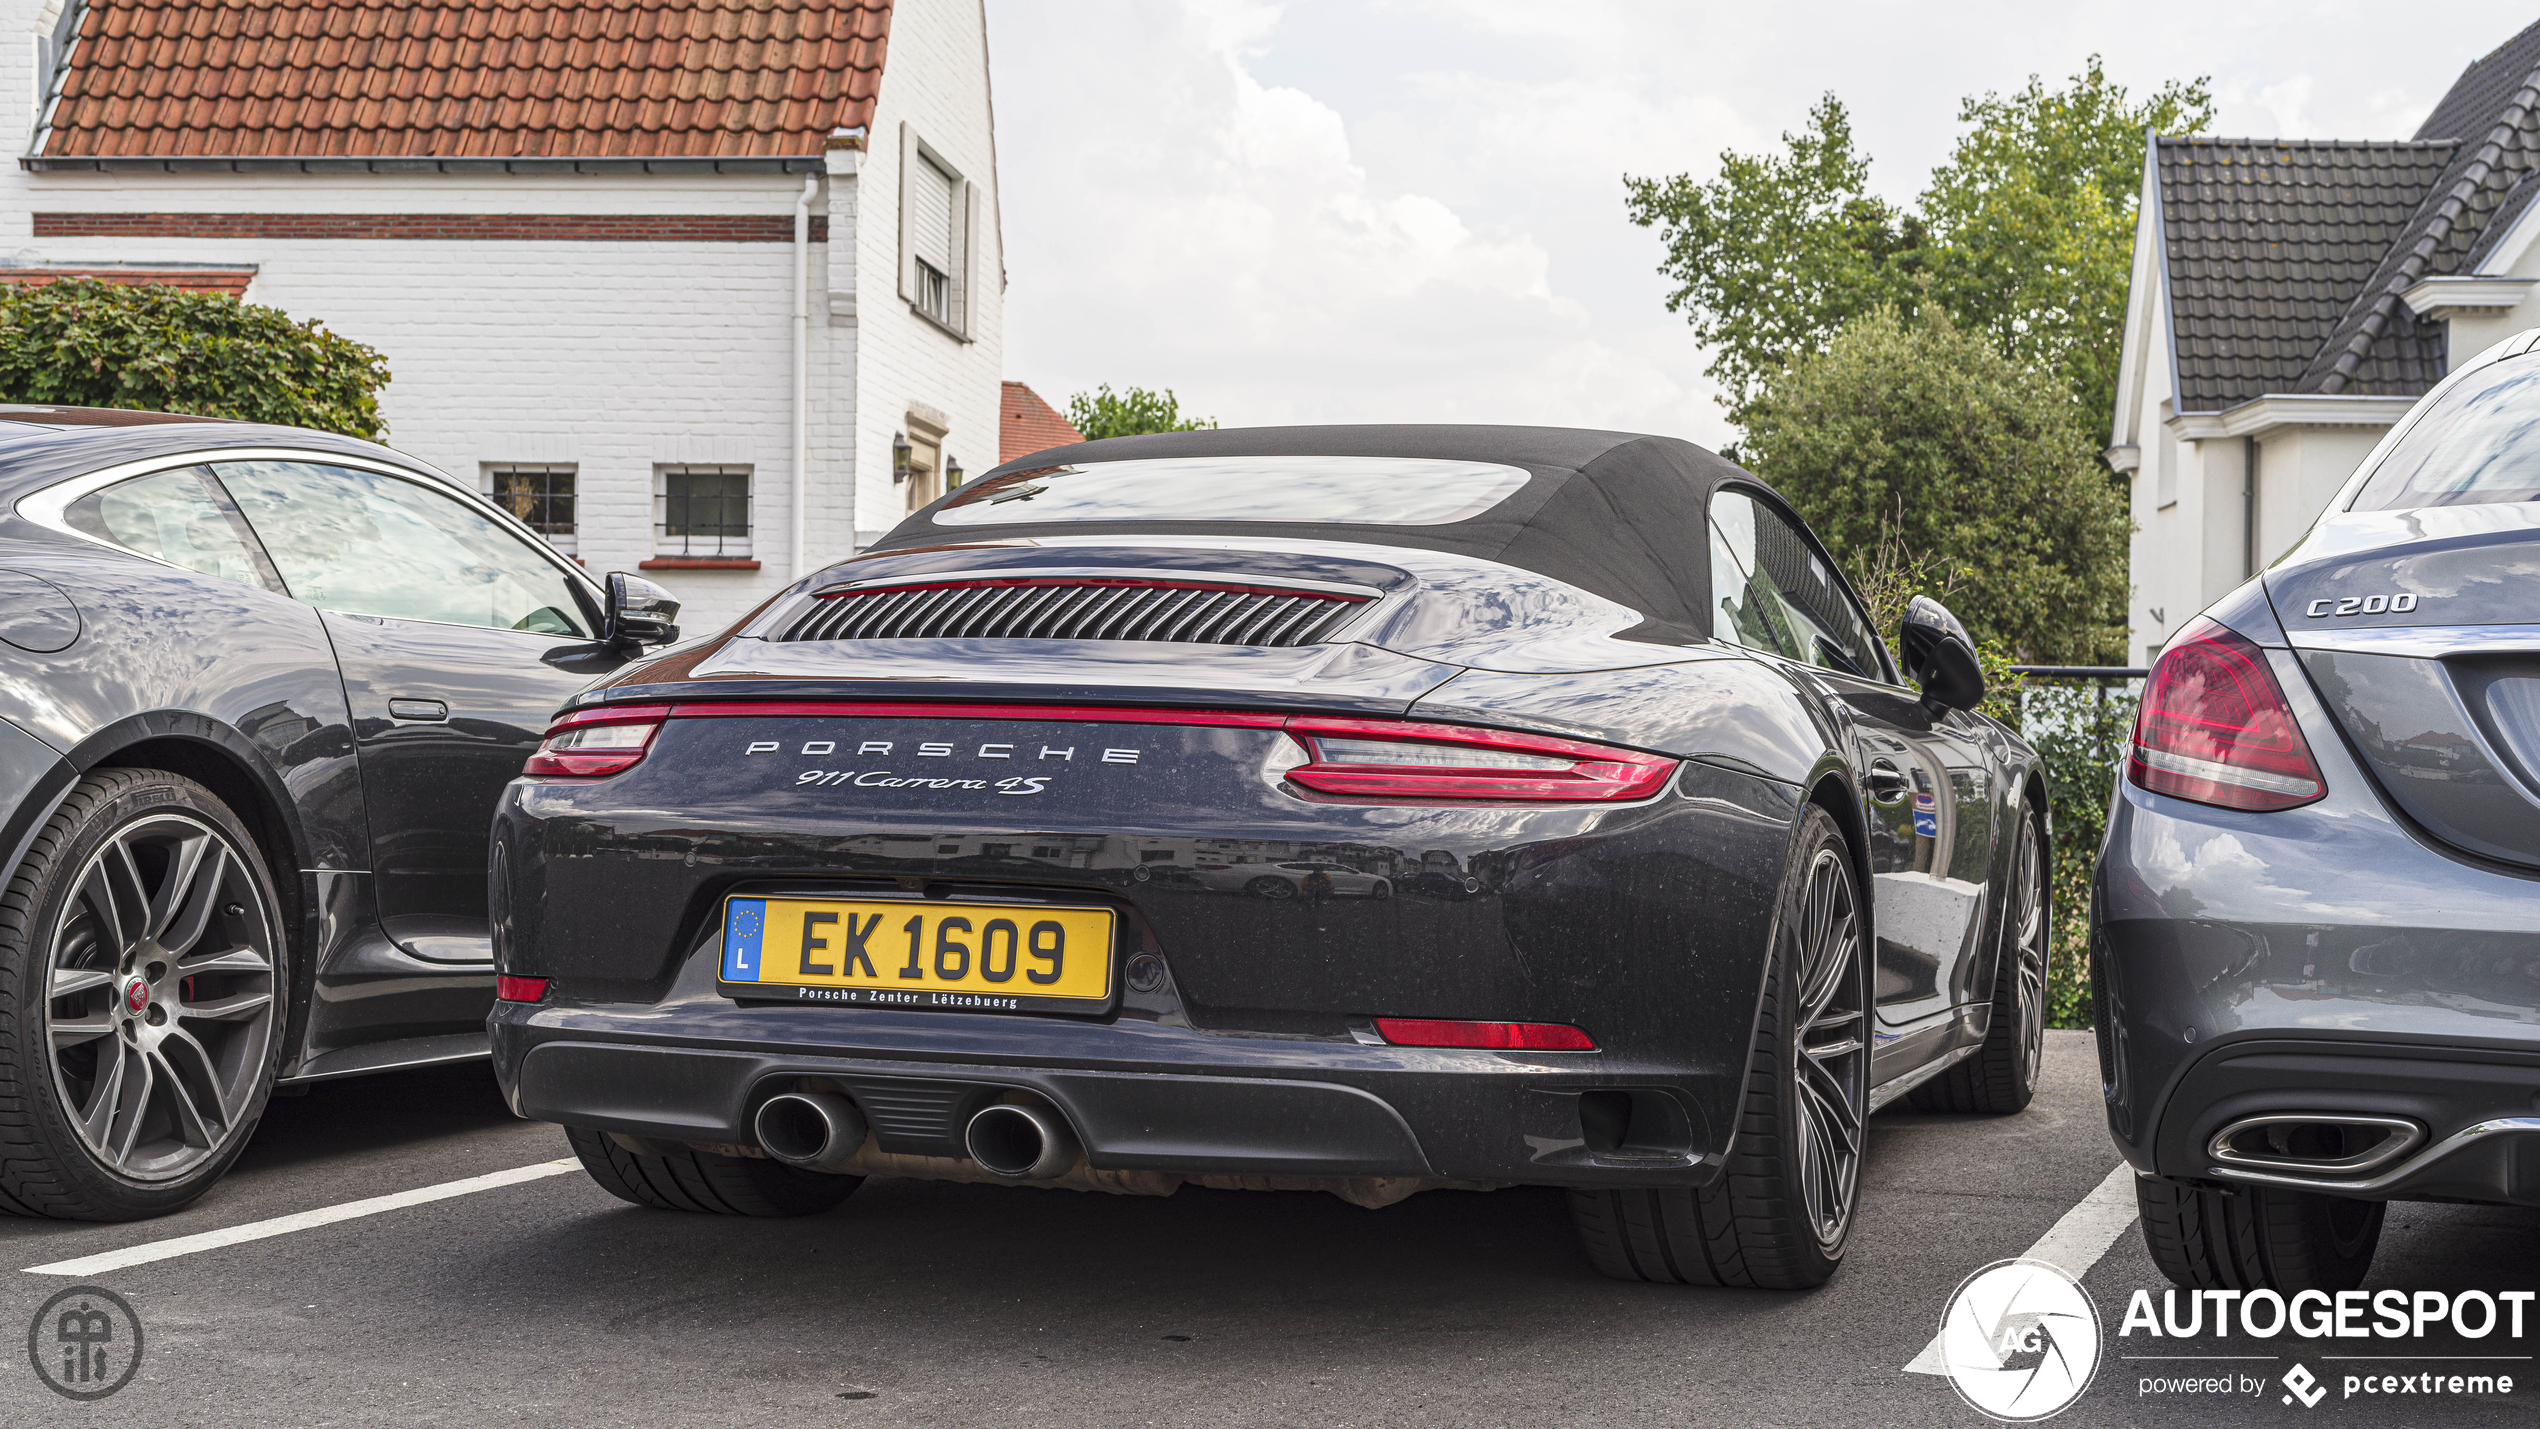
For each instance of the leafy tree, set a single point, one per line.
(2033, 219)
(1779, 250)
(88, 343)
(1920, 437)
(2027, 233)
(1105, 413)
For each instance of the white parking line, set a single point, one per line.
(2074, 1243)
(305, 1220)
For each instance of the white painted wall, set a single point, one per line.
(617, 356)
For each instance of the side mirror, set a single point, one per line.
(1940, 655)
(639, 614)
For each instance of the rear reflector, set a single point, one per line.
(1430, 762)
(519, 989)
(1521, 1036)
(595, 742)
(2214, 728)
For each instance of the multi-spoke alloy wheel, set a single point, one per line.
(141, 957)
(1779, 1211)
(1830, 1059)
(160, 1004)
(2002, 1075)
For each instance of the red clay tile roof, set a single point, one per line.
(229, 282)
(1027, 424)
(470, 79)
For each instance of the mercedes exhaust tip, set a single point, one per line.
(811, 1130)
(2316, 1143)
(1023, 1141)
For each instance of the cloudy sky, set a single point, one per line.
(1412, 210)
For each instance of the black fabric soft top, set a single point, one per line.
(1613, 513)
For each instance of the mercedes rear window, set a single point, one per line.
(2478, 444)
(1355, 490)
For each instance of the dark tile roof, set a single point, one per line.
(2287, 258)
(2379, 348)
(470, 79)
(2483, 89)
(2268, 242)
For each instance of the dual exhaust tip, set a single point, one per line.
(1019, 1137)
(2318, 1143)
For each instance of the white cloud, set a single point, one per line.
(1412, 210)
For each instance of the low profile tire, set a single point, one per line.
(1778, 1219)
(2002, 1077)
(1381, 890)
(2257, 1237)
(669, 1177)
(1270, 888)
(142, 963)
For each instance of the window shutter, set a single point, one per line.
(934, 201)
(909, 161)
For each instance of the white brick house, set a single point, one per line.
(574, 230)
(2290, 301)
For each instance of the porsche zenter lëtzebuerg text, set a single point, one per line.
(1364, 809)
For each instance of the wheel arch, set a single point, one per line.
(1832, 790)
(224, 761)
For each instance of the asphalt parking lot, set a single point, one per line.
(547, 1301)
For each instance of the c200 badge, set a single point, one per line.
(2328, 605)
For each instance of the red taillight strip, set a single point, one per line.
(1221, 586)
(1065, 714)
(1601, 773)
(508, 988)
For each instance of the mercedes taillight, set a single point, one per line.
(2214, 727)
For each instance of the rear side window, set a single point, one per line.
(1771, 591)
(368, 544)
(178, 517)
(2478, 444)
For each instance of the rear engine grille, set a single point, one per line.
(1189, 612)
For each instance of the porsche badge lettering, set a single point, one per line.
(1012, 784)
(2328, 605)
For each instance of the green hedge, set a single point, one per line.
(2080, 734)
(87, 343)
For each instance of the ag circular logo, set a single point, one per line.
(85, 1343)
(2020, 1340)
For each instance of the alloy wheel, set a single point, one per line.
(2029, 916)
(1830, 1053)
(160, 1005)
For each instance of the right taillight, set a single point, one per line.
(2214, 727)
(1432, 763)
(595, 742)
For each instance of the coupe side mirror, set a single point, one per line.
(1940, 655)
(639, 613)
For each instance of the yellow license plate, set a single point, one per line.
(981, 957)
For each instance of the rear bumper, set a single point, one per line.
(1163, 1099)
(2327, 959)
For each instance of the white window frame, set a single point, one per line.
(568, 542)
(917, 287)
(669, 547)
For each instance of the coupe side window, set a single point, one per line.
(1784, 589)
(180, 518)
(367, 544)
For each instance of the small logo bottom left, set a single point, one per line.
(85, 1343)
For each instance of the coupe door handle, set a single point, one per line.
(1887, 782)
(428, 710)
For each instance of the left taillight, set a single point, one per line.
(1392, 760)
(519, 989)
(597, 742)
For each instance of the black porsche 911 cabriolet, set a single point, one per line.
(1599, 845)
